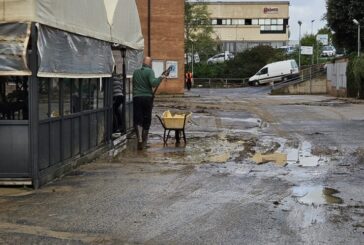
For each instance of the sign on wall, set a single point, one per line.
(271, 10)
(174, 70)
(307, 50)
(158, 67)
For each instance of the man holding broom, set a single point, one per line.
(143, 96)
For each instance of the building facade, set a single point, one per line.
(243, 25)
(163, 31)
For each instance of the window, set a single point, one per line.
(75, 97)
(271, 25)
(255, 22)
(228, 21)
(67, 90)
(55, 97)
(85, 90)
(101, 95)
(238, 21)
(71, 98)
(14, 98)
(219, 22)
(248, 22)
(93, 94)
(43, 98)
(264, 71)
(214, 22)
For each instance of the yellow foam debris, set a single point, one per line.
(278, 158)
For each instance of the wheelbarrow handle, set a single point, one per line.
(160, 119)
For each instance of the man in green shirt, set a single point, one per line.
(143, 82)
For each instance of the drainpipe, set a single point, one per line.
(149, 27)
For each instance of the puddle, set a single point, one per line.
(303, 156)
(246, 120)
(316, 195)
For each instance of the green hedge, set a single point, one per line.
(355, 77)
(244, 64)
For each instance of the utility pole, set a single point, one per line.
(299, 50)
(359, 41)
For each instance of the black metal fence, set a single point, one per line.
(220, 82)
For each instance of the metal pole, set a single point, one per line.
(149, 27)
(359, 41)
(33, 110)
(317, 51)
(123, 55)
(193, 57)
(299, 50)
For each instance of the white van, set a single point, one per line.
(278, 71)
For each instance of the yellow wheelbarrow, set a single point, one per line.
(176, 122)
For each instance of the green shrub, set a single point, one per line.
(244, 65)
(355, 77)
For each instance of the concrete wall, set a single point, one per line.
(315, 86)
(167, 37)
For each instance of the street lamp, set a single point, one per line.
(312, 26)
(299, 50)
(359, 43)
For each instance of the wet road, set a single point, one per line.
(211, 191)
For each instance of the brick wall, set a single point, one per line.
(167, 37)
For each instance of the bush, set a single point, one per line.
(355, 77)
(244, 65)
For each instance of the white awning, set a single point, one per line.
(114, 21)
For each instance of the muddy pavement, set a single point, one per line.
(256, 169)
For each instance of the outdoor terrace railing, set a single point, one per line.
(220, 82)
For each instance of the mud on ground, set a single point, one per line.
(211, 191)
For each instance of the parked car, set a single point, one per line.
(277, 71)
(220, 58)
(328, 51)
(287, 49)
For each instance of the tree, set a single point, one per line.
(340, 15)
(198, 30)
(309, 40)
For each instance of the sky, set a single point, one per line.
(304, 10)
